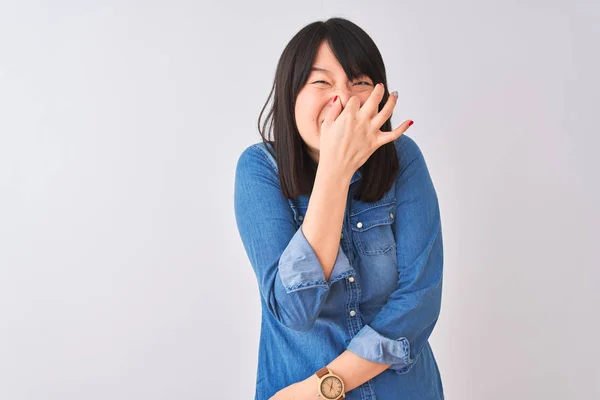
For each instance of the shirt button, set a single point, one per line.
(359, 225)
(351, 279)
(342, 236)
(300, 217)
(352, 313)
(392, 215)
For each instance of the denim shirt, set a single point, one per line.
(383, 297)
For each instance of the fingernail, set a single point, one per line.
(334, 99)
(395, 93)
(410, 123)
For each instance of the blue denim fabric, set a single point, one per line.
(383, 297)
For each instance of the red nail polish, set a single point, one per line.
(334, 99)
(410, 123)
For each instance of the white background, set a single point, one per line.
(122, 274)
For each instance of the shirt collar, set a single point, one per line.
(355, 177)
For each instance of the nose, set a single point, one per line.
(344, 94)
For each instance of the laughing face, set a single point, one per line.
(327, 79)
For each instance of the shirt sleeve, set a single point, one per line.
(290, 277)
(401, 329)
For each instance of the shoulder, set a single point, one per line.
(257, 153)
(256, 158)
(407, 150)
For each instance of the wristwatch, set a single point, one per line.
(331, 386)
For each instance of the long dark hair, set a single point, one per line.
(358, 54)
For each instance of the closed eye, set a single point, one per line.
(365, 82)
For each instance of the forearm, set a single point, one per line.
(352, 369)
(324, 217)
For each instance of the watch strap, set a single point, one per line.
(322, 372)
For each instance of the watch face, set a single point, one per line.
(331, 387)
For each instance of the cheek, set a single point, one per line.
(307, 112)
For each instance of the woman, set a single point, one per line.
(340, 220)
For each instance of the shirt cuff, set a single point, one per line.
(372, 346)
(300, 268)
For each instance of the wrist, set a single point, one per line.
(334, 172)
(311, 385)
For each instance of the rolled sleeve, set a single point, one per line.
(299, 267)
(289, 275)
(372, 346)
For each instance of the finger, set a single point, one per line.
(352, 105)
(386, 112)
(335, 108)
(371, 106)
(386, 137)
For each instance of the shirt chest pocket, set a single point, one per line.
(372, 229)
